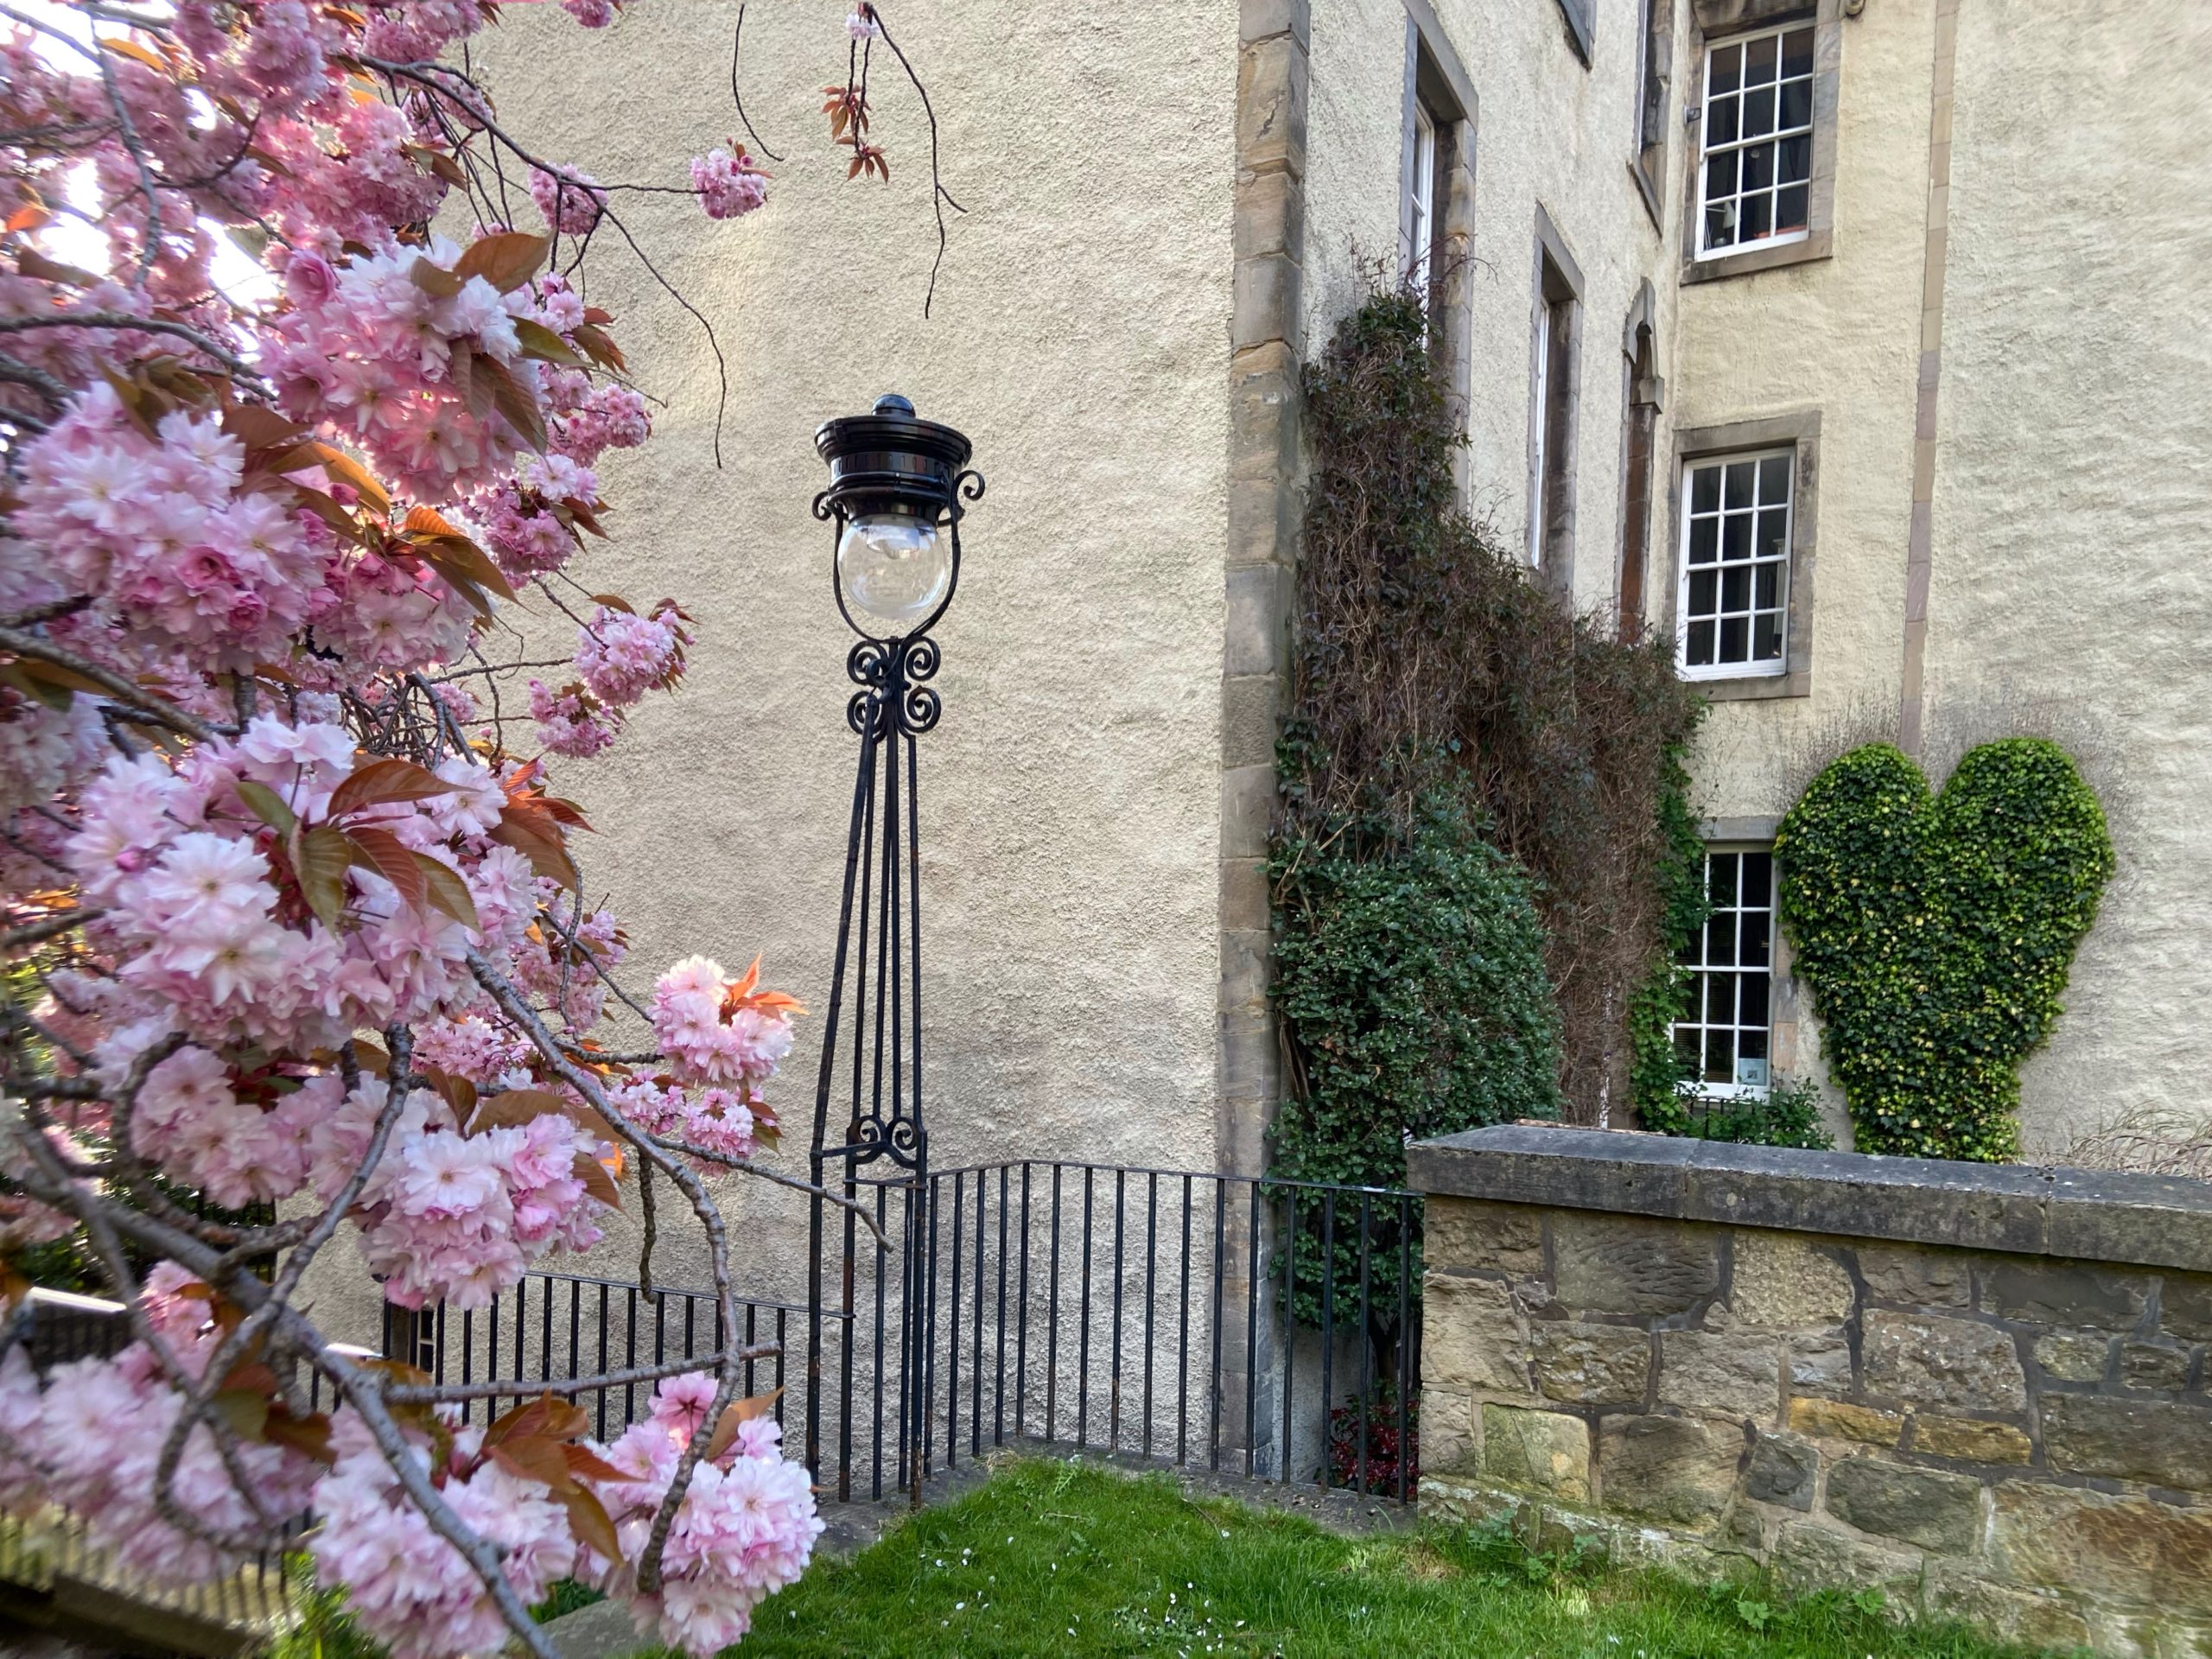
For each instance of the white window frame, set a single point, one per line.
(1739, 44)
(1701, 1089)
(1746, 669)
(1420, 200)
(1539, 496)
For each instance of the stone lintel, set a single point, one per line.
(2083, 1215)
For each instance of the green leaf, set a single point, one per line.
(266, 804)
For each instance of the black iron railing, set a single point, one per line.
(1250, 1327)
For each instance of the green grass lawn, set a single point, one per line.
(1059, 1558)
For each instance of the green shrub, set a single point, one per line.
(1935, 932)
(1788, 1115)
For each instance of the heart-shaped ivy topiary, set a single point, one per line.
(1935, 932)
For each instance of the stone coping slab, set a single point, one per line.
(2083, 1215)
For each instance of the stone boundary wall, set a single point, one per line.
(1981, 1390)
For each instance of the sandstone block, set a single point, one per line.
(1972, 1441)
(1447, 1431)
(1506, 1238)
(1776, 1278)
(2073, 1358)
(1931, 1360)
(1624, 1264)
(1678, 1469)
(1472, 1336)
(1590, 1364)
(1937, 1511)
(1543, 1451)
(1810, 1556)
(1784, 1470)
(2185, 1306)
(1918, 1275)
(1837, 1420)
(2082, 1297)
(2118, 1548)
(2153, 1366)
(2036, 1618)
(1731, 1372)
(1820, 1363)
(2155, 1441)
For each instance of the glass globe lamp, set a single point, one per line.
(894, 483)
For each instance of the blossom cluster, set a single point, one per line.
(746, 1528)
(252, 540)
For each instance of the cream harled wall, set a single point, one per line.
(1547, 130)
(1070, 811)
(2069, 519)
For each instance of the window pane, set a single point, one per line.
(1741, 474)
(1774, 532)
(1705, 490)
(1774, 479)
(1720, 227)
(1727, 70)
(1759, 60)
(1701, 593)
(1766, 637)
(1720, 950)
(1769, 585)
(1735, 535)
(1751, 1044)
(1757, 218)
(1789, 208)
(1796, 104)
(1759, 880)
(1758, 112)
(1698, 651)
(1736, 588)
(1705, 540)
(1735, 640)
(1719, 1056)
(1757, 945)
(1797, 159)
(1689, 1045)
(1720, 122)
(1721, 997)
(1720, 176)
(1759, 167)
(1753, 988)
(1720, 880)
(1798, 52)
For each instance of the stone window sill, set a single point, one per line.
(1820, 245)
(1758, 688)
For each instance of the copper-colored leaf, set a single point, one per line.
(33, 264)
(135, 52)
(453, 555)
(533, 1459)
(542, 845)
(516, 402)
(381, 782)
(308, 1435)
(382, 851)
(597, 1182)
(506, 259)
(590, 1521)
(324, 857)
(344, 467)
(584, 1461)
(739, 1413)
(599, 346)
(371, 1058)
(433, 280)
(259, 427)
(614, 602)
(543, 1418)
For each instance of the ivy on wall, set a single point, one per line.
(1453, 720)
(1935, 932)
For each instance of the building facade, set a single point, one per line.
(1853, 345)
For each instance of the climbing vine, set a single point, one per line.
(1935, 932)
(1463, 753)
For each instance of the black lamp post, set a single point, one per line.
(898, 488)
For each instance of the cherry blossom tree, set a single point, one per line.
(297, 942)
